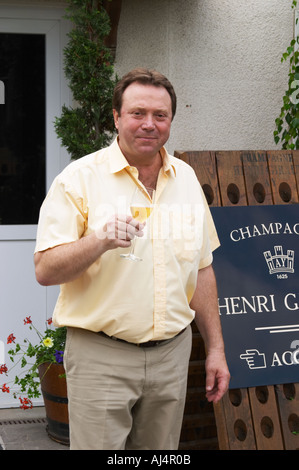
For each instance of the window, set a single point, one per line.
(22, 127)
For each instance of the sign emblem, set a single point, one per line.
(280, 262)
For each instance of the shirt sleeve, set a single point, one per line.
(210, 237)
(62, 218)
(213, 236)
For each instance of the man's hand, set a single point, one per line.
(205, 304)
(119, 231)
(64, 263)
(217, 376)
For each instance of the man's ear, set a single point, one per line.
(115, 117)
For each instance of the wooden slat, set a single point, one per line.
(296, 167)
(265, 418)
(231, 179)
(238, 422)
(284, 191)
(282, 176)
(235, 428)
(198, 410)
(288, 401)
(257, 181)
(204, 165)
(222, 433)
(244, 170)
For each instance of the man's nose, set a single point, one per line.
(148, 123)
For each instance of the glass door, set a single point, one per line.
(32, 92)
(31, 96)
(22, 124)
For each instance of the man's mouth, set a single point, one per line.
(146, 137)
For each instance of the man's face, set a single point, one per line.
(144, 121)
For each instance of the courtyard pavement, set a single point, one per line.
(26, 430)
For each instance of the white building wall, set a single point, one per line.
(223, 57)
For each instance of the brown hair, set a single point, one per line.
(146, 77)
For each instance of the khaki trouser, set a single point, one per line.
(125, 397)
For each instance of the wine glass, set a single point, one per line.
(141, 206)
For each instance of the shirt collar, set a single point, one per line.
(168, 167)
(118, 162)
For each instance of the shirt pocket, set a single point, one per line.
(186, 236)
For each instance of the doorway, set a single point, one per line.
(32, 92)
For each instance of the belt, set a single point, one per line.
(148, 344)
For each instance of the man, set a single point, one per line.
(129, 335)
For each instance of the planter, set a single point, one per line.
(54, 391)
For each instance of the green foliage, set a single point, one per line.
(89, 70)
(287, 124)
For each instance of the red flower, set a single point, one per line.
(11, 338)
(25, 403)
(4, 388)
(27, 321)
(49, 321)
(3, 369)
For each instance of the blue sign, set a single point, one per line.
(257, 271)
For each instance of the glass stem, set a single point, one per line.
(133, 246)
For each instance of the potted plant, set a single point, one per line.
(88, 66)
(42, 374)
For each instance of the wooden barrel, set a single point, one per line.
(54, 392)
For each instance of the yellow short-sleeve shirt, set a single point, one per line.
(134, 301)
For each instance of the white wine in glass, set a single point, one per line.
(141, 208)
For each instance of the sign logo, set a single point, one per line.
(280, 262)
(254, 359)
